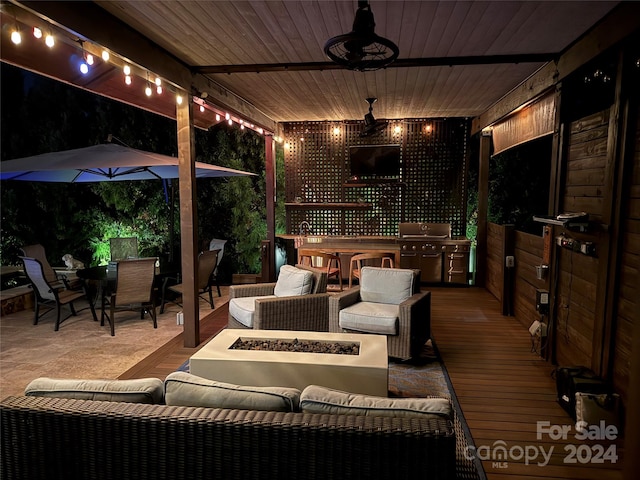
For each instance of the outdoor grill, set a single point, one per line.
(431, 248)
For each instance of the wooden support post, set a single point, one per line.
(188, 221)
(270, 174)
(483, 205)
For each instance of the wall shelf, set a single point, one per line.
(327, 206)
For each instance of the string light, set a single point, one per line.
(154, 82)
(16, 37)
(336, 131)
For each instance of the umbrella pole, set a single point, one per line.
(171, 221)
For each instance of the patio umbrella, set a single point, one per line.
(103, 163)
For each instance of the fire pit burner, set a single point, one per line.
(295, 345)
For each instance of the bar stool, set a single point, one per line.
(369, 259)
(323, 261)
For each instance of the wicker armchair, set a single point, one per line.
(387, 302)
(207, 263)
(308, 312)
(134, 291)
(50, 296)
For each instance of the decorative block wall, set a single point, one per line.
(432, 186)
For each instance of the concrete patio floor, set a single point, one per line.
(81, 347)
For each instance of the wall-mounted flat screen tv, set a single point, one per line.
(375, 161)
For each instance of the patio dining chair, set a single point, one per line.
(133, 291)
(207, 263)
(54, 278)
(50, 296)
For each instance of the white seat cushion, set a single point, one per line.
(293, 281)
(386, 285)
(369, 317)
(183, 388)
(141, 390)
(243, 308)
(317, 399)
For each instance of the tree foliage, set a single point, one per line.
(40, 115)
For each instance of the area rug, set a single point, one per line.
(424, 377)
(427, 376)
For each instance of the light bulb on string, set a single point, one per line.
(37, 32)
(127, 79)
(89, 58)
(147, 91)
(202, 108)
(217, 117)
(84, 68)
(230, 122)
(179, 99)
(16, 38)
(49, 40)
(105, 56)
(127, 70)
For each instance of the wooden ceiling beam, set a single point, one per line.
(615, 27)
(90, 22)
(400, 63)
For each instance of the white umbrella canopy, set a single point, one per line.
(103, 163)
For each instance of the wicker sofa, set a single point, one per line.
(63, 438)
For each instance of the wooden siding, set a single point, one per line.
(629, 276)
(495, 260)
(528, 253)
(578, 284)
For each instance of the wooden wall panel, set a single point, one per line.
(495, 260)
(528, 254)
(628, 303)
(585, 189)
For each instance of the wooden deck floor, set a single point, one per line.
(503, 388)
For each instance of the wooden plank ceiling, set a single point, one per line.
(213, 34)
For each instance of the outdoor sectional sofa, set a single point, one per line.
(68, 438)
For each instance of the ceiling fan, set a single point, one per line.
(371, 125)
(361, 49)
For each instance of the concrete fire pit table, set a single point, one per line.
(365, 373)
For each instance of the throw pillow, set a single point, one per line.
(386, 285)
(316, 399)
(141, 390)
(293, 281)
(185, 389)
